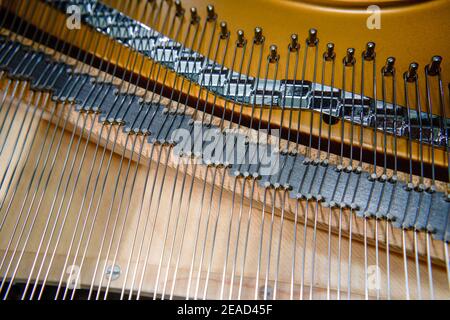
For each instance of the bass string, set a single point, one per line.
(421, 181)
(58, 215)
(240, 44)
(52, 114)
(197, 157)
(74, 186)
(145, 186)
(93, 194)
(258, 40)
(121, 197)
(68, 207)
(154, 183)
(195, 20)
(272, 60)
(15, 229)
(273, 195)
(222, 37)
(239, 176)
(103, 189)
(131, 190)
(217, 218)
(316, 207)
(21, 94)
(389, 71)
(85, 192)
(368, 56)
(11, 51)
(126, 212)
(328, 58)
(244, 178)
(310, 44)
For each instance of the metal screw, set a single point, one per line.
(116, 271)
(269, 295)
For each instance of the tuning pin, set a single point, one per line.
(349, 59)
(194, 15)
(369, 53)
(329, 54)
(294, 45)
(259, 38)
(388, 69)
(224, 33)
(210, 13)
(434, 68)
(411, 74)
(240, 38)
(312, 37)
(273, 54)
(179, 10)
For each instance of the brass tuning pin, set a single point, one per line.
(273, 54)
(210, 13)
(194, 15)
(329, 54)
(369, 53)
(224, 33)
(411, 74)
(312, 38)
(349, 59)
(240, 42)
(179, 10)
(259, 38)
(294, 45)
(388, 69)
(434, 68)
